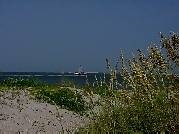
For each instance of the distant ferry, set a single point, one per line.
(80, 73)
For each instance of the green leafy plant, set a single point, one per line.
(65, 97)
(148, 101)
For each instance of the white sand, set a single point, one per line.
(19, 113)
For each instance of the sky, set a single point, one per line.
(61, 35)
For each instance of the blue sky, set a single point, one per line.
(60, 35)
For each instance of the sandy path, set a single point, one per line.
(19, 113)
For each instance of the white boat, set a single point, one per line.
(80, 71)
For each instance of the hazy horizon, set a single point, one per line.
(59, 36)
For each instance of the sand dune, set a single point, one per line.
(19, 113)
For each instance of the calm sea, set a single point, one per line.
(53, 78)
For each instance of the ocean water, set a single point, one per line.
(55, 78)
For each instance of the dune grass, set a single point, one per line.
(148, 101)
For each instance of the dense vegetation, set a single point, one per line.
(147, 102)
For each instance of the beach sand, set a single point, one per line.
(21, 114)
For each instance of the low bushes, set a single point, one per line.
(66, 97)
(148, 100)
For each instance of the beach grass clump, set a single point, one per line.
(133, 114)
(21, 82)
(65, 97)
(102, 91)
(149, 99)
(66, 83)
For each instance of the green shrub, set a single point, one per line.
(149, 101)
(103, 90)
(21, 82)
(65, 97)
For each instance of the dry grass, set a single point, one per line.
(148, 101)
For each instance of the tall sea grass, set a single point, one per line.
(148, 100)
